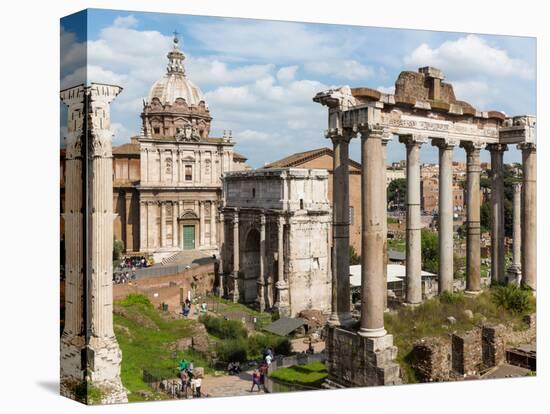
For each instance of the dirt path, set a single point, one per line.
(229, 385)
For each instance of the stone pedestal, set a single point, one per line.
(357, 361)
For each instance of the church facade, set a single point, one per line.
(168, 180)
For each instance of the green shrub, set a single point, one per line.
(513, 298)
(118, 248)
(232, 350)
(136, 299)
(223, 328)
(451, 297)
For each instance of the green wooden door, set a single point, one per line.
(188, 237)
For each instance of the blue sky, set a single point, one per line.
(259, 76)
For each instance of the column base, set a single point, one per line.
(411, 305)
(513, 276)
(472, 293)
(357, 361)
(343, 319)
(372, 333)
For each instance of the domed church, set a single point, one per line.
(167, 180)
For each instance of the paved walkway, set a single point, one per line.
(229, 385)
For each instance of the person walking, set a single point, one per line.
(198, 383)
(255, 380)
(184, 382)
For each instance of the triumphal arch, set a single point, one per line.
(422, 110)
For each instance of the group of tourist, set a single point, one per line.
(133, 262)
(188, 380)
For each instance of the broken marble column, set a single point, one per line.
(89, 349)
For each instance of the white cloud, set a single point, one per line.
(208, 71)
(469, 56)
(386, 89)
(343, 69)
(251, 135)
(125, 21)
(286, 74)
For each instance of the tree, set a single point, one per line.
(430, 251)
(397, 191)
(485, 216)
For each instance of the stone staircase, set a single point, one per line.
(184, 257)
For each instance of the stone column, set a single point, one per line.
(446, 240)
(529, 216)
(222, 256)
(497, 212)
(73, 337)
(236, 257)
(143, 164)
(413, 236)
(386, 137)
(373, 215)
(202, 223)
(261, 279)
(104, 356)
(473, 259)
(128, 228)
(175, 243)
(341, 299)
(162, 224)
(151, 225)
(283, 304)
(213, 241)
(142, 226)
(515, 268)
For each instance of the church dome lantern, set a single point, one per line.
(174, 102)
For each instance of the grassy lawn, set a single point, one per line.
(409, 325)
(143, 335)
(396, 244)
(311, 375)
(223, 306)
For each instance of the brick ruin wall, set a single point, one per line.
(467, 354)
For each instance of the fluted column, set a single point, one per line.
(473, 199)
(213, 241)
(73, 330)
(152, 235)
(144, 176)
(162, 224)
(529, 216)
(515, 268)
(261, 278)
(202, 222)
(175, 224)
(413, 236)
(236, 257)
(497, 212)
(341, 299)
(445, 214)
(373, 215)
